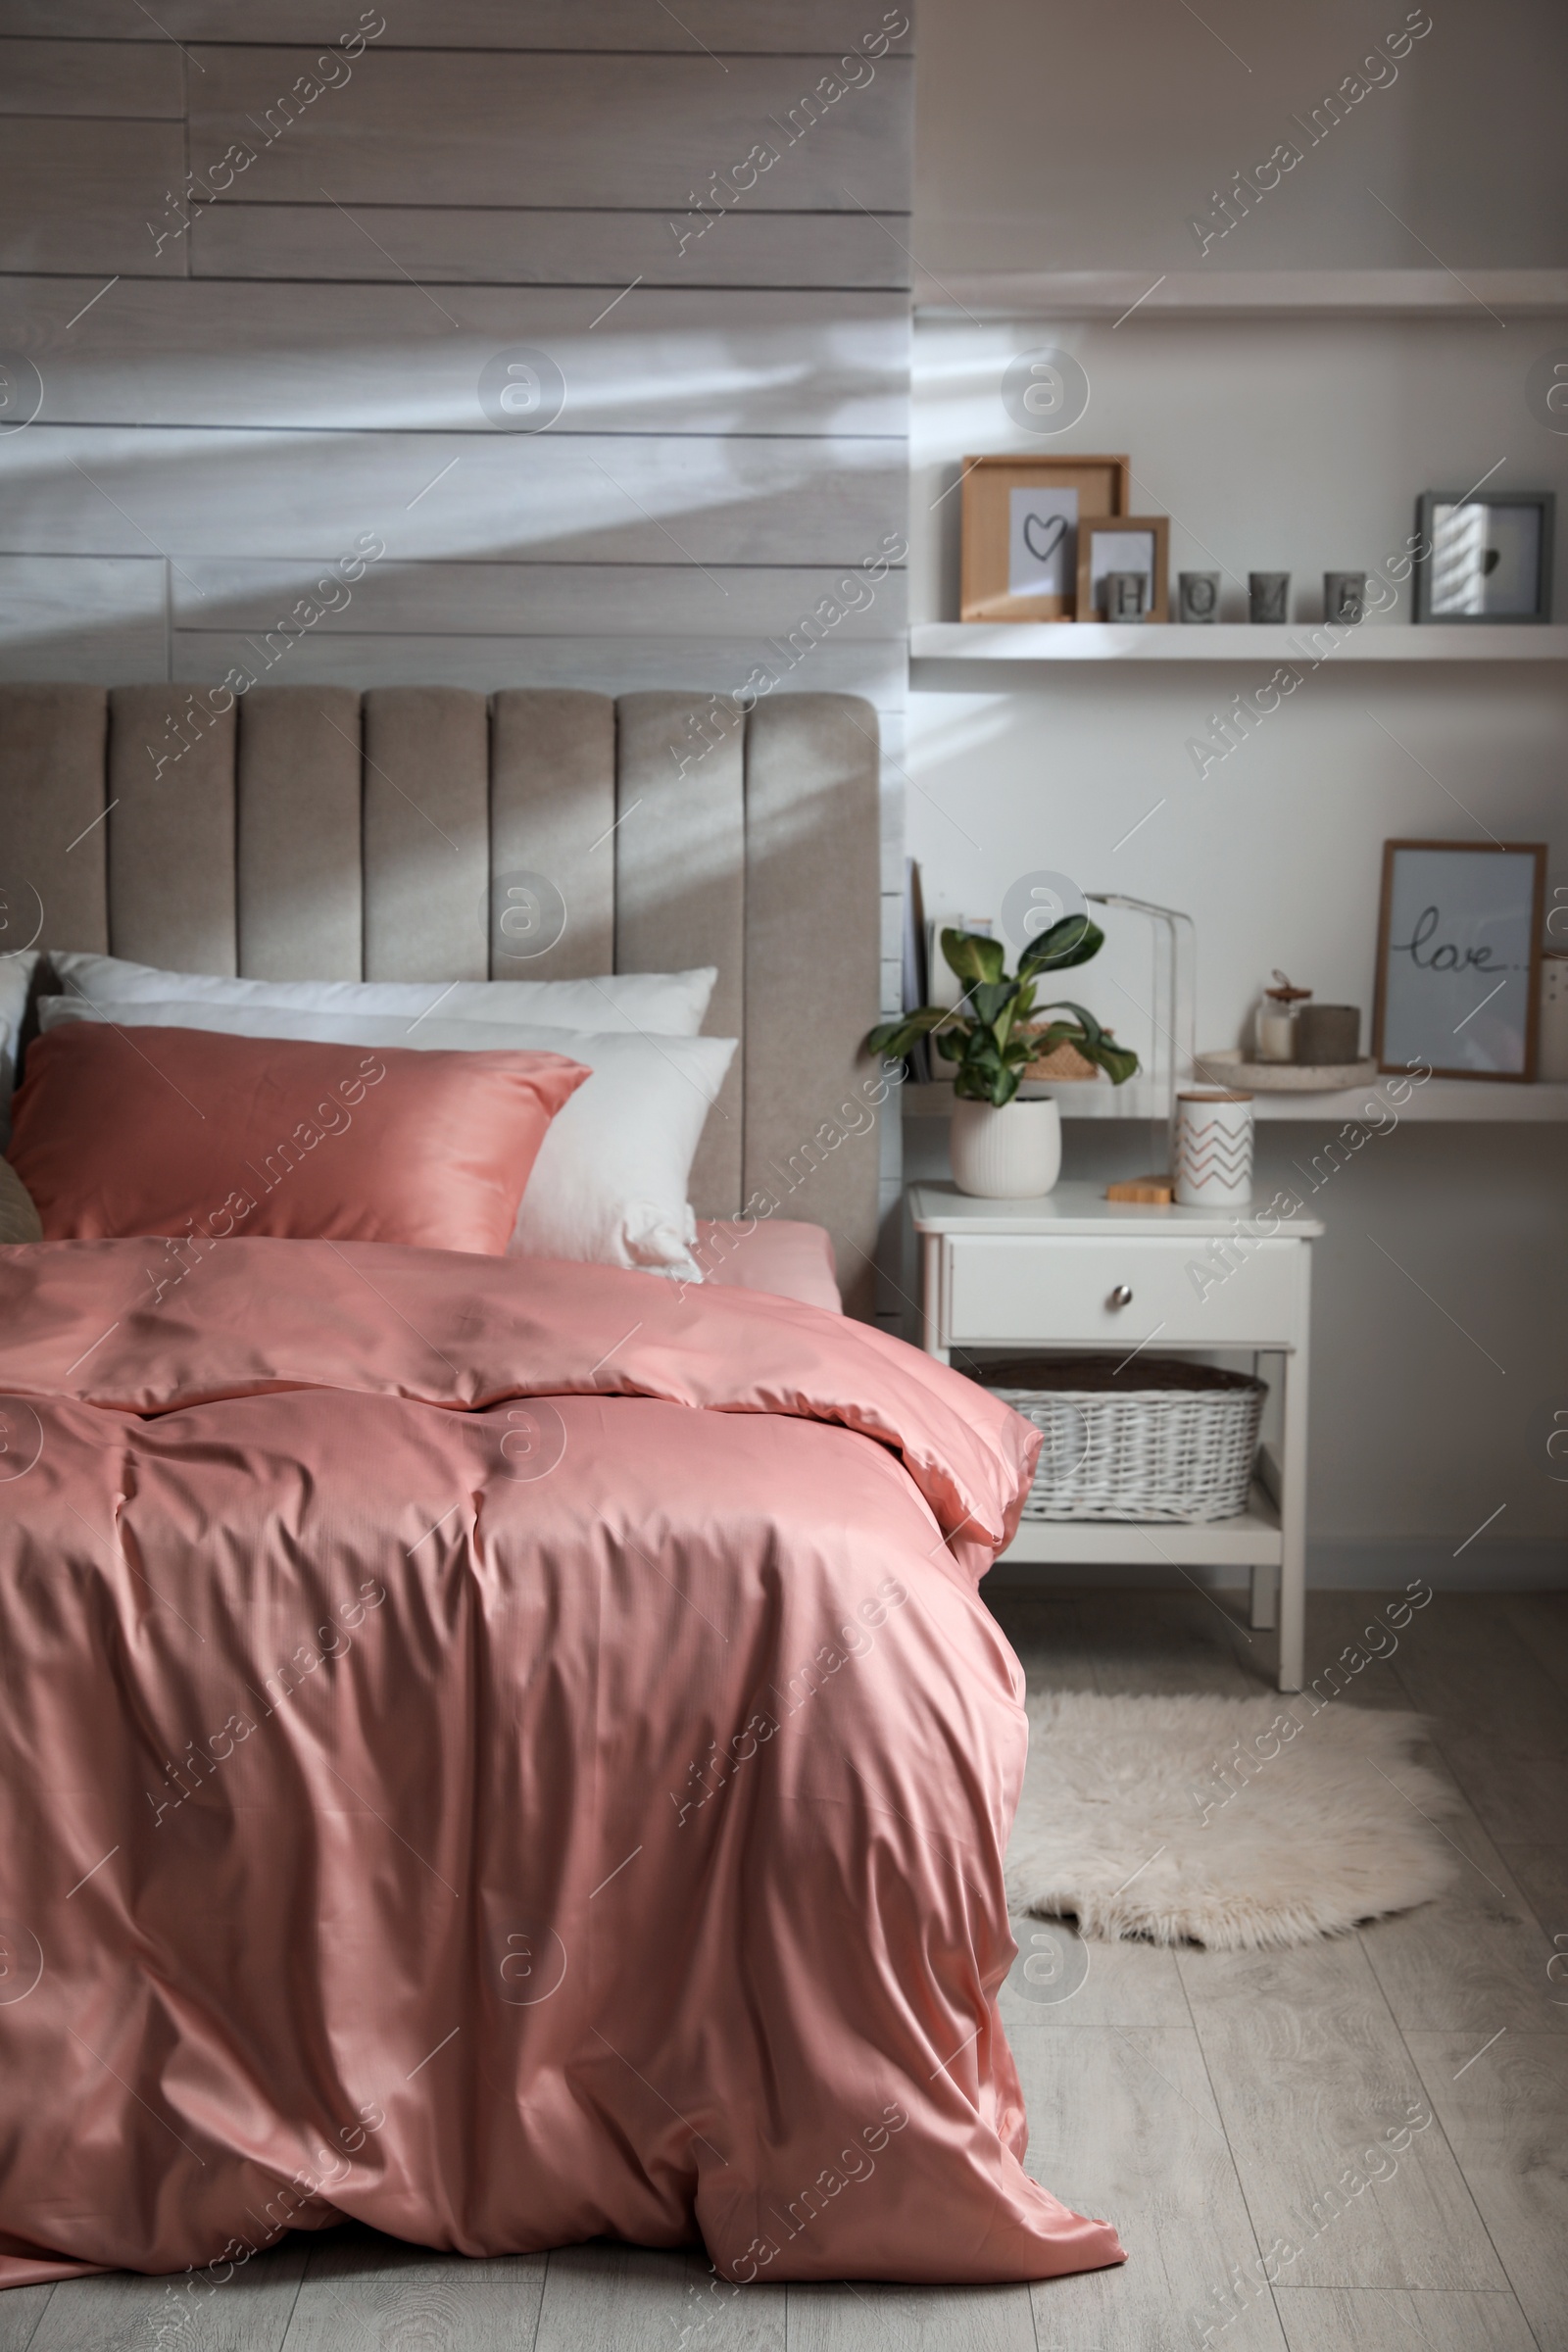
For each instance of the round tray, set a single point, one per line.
(1228, 1068)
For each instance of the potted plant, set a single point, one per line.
(1004, 1149)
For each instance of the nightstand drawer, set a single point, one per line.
(1027, 1288)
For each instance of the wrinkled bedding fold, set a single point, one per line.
(507, 1752)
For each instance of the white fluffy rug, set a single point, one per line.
(1228, 1821)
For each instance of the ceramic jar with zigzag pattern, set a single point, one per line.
(1213, 1149)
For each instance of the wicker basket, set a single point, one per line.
(1062, 1061)
(1154, 1438)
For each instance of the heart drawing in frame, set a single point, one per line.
(1043, 534)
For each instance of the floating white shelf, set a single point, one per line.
(1221, 293)
(1024, 641)
(1457, 1101)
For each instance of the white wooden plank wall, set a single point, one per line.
(253, 265)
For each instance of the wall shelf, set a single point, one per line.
(1222, 293)
(1035, 642)
(1457, 1101)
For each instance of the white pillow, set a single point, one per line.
(610, 1180)
(664, 1003)
(16, 978)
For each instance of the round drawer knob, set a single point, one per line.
(1121, 1295)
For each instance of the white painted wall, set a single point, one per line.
(1087, 137)
(1272, 445)
(255, 303)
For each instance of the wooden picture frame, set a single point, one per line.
(1007, 537)
(1477, 537)
(1454, 930)
(1092, 564)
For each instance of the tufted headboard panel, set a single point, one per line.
(430, 833)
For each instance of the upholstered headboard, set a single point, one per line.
(315, 832)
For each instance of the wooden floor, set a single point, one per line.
(1204, 2102)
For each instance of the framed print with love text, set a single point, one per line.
(1459, 957)
(1022, 517)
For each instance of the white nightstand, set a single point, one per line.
(1074, 1270)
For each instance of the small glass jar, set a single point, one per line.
(1275, 1023)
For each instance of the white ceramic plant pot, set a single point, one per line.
(1009, 1154)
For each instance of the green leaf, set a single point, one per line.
(989, 1001)
(972, 957)
(1095, 1043)
(1074, 940)
(897, 1037)
(996, 1087)
(987, 1071)
(981, 1059)
(981, 1049)
(1046, 1041)
(1086, 1020)
(1118, 1063)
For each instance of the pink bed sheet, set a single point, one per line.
(507, 1752)
(778, 1255)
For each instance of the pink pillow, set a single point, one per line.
(119, 1131)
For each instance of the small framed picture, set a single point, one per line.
(1459, 958)
(1021, 533)
(1124, 569)
(1490, 556)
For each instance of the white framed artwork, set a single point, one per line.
(1458, 956)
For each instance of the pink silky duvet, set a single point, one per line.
(505, 1751)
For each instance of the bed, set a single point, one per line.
(506, 1751)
